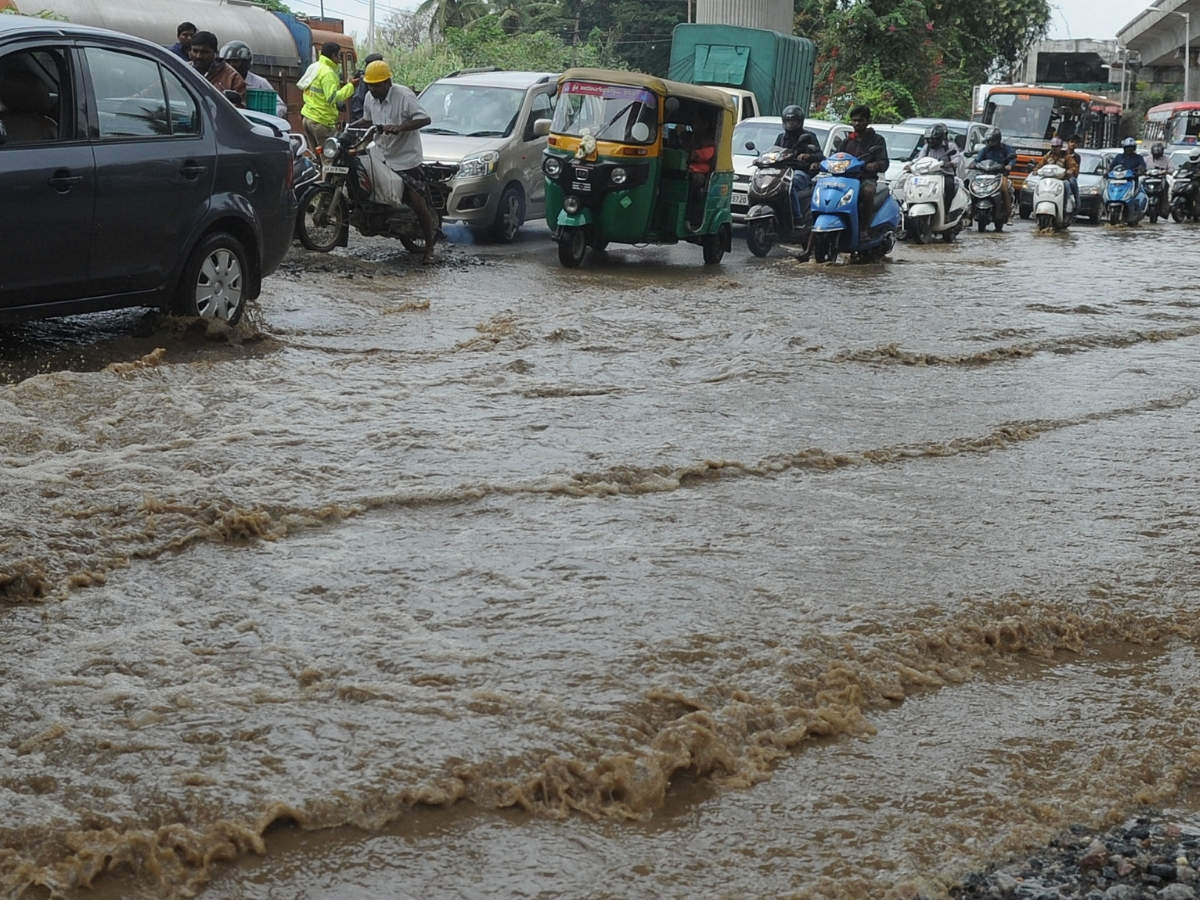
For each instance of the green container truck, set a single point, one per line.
(776, 68)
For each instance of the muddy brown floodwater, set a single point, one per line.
(641, 580)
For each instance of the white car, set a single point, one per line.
(902, 141)
(761, 131)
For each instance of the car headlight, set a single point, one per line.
(552, 166)
(478, 165)
(618, 176)
(329, 149)
(571, 205)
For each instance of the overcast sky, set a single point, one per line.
(1097, 19)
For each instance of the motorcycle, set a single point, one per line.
(835, 206)
(987, 205)
(360, 190)
(923, 203)
(1124, 199)
(306, 174)
(771, 218)
(1154, 183)
(1053, 204)
(1185, 204)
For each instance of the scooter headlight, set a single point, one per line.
(571, 205)
(552, 166)
(329, 149)
(847, 198)
(618, 176)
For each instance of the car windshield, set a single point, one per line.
(471, 110)
(900, 144)
(1090, 163)
(761, 134)
(607, 111)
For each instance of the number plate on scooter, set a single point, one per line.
(338, 170)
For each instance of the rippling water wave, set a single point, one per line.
(829, 580)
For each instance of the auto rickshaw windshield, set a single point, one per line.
(608, 112)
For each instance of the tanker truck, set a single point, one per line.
(283, 44)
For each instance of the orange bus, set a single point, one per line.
(1029, 116)
(1173, 123)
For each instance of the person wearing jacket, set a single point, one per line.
(870, 147)
(995, 150)
(1129, 159)
(807, 151)
(322, 94)
(360, 92)
(219, 73)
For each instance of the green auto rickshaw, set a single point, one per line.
(636, 159)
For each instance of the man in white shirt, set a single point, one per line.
(395, 109)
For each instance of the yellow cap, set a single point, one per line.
(377, 70)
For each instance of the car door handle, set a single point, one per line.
(62, 180)
(192, 170)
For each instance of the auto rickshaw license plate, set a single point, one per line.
(580, 186)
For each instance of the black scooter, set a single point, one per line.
(1184, 201)
(770, 219)
(1154, 183)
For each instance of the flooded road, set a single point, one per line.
(640, 580)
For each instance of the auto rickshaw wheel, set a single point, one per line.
(714, 248)
(572, 245)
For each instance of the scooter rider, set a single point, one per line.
(996, 150)
(807, 151)
(1158, 159)
(938, 146)
(1057, 155)
(1129, 159)
(871, 148)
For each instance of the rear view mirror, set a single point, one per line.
(975, 148)
(541, 127)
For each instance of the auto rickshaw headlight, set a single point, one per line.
(571, 205)
(552, 166)
(329, 149)
(618, 176)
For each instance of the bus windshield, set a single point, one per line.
(1034, 116)
(1184, 127)
(607, 111)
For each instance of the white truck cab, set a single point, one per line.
(745, 101)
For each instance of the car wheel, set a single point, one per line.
(510, 215)
(321, 219)
(215, 280)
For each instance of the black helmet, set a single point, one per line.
(793, 118)
(992, 136)
(236, 50)
(935, 135)
(1156, 149)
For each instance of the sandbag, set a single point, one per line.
(386, 186)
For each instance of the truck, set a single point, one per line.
(283, 44)
(763, 70)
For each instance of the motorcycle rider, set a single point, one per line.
(1128, 158)
(805, 149)
(1158, 159)
(940, 147)
(864, 143)
(996, 150)
(395, 109)
(1190, 169)
(1057, 155)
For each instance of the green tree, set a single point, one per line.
(446, 14)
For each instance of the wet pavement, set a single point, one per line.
(646, 579)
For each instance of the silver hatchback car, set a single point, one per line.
(486, 123)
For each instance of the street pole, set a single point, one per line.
(1187, 50)
(371, 26)
(689, 14)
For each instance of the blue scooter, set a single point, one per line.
(1125, 201)
(835, 211)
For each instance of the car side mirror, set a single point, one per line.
(975, 148)
(541, 128)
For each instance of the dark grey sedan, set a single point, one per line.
(127, 180)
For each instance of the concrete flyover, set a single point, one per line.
(1156, 34)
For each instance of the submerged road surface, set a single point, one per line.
(646, 579)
